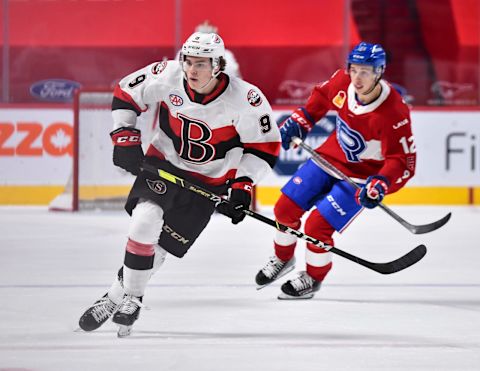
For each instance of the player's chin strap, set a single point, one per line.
(214, 74)
(397, 265)
(377, 81)
(327, 166)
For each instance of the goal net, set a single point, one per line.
(94, 181)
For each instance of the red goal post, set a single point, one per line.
(95, 183)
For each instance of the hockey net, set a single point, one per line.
(95, 183)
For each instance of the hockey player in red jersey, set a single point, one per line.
(215, 130)
(372, 144)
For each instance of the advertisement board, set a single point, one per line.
(36, 150)
(36, 146)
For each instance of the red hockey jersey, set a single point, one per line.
(369, 139)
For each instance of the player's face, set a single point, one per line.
(363, 77)
(198, 71)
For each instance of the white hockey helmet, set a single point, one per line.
(201, 44)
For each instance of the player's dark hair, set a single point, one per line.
(222, 63)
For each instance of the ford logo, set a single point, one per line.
(54, 90)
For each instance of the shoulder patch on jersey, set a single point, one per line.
(176, 100)
(159, 67)
(339, 99)
(254, 98)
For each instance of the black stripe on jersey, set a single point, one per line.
(221, 148)
(138, 262)
(121, 104)
(270, 159)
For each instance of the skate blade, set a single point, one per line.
(288, 270)
(284, 296)
(124, 331)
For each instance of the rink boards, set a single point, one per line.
(37, 147)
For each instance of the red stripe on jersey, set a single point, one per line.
(174, 123)
(222, 82)
(123, 95)
(153, 152)
(223, 134)
(231, 174)
(272, 148)
(219, 135)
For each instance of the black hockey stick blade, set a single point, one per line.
(415, 229)
(384, 268)
(418, 229)
(394, 266)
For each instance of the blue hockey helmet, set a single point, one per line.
(369, 54)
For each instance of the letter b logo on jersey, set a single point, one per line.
(351, 141)
(195, 135)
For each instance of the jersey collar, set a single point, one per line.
(223, 81)
(360, 109)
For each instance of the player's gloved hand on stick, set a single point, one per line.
(373, 192)
(239, 199)
(127, 150)
(297, 125)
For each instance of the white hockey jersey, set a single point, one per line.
(226, 134)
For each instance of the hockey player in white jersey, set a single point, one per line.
(214, 130)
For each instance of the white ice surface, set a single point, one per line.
(205, 313)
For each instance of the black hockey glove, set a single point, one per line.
(239, 199)
(127, 150)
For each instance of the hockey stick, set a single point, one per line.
(415, 229)
(384, 268)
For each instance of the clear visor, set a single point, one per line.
(204, 65)
(362, 72)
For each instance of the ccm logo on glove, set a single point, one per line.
(126, 137)
(127, 150)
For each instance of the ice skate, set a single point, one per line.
(274, 269)
(301, 287)
(127, 314)
(97, 314)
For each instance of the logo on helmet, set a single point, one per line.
(254, 98)
(159, 67)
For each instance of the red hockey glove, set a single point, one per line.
(373, 192)
(127, 150)
(239, 199)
